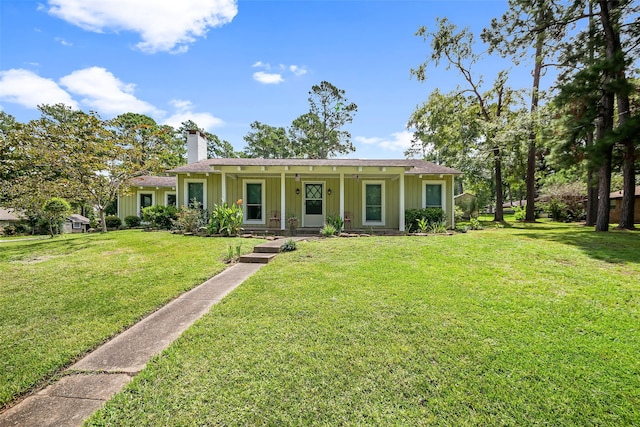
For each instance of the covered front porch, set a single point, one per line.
(364, 197)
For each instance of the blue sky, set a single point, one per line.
(225, 64)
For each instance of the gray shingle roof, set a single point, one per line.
(416, 166)
(79, 218)
(619, 194)
(153, 181)
(9, 215)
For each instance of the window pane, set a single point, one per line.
(374, 194)
(254, 194)
(145, 200)
(434, 195)
(196, 191)
(171, 199)
(314, 191)
(314, 207)
(254, 212)
(374, 213)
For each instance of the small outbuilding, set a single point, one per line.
(615, 206)
(76, 224)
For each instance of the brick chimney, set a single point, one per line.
(196, 146)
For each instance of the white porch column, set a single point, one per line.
(341, 196)
(402, 225)
(452, 213)
(224, 187)
(283, 204)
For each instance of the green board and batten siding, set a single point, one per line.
(128, 205)
(353, 195)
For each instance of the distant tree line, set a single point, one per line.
(585, 129)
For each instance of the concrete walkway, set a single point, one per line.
(94, 379)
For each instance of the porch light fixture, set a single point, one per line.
(329, 191)
(297, 178)
(297, 191)
(355, 176)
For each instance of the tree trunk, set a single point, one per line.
(604, 190)
(530, 215)
(628, 169)
(103, 222)
(605, 121)
(628, 186)
(592, 187)
(592, 177)
(499, 215)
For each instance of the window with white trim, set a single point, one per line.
(145, 199)
(76, 225)
(254, 202)
(373, 202)
(170, 199)
(433, 194)
(195, 190)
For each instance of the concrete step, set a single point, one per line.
(257, 258)
(268, 248)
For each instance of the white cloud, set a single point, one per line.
(163, 25)
(28, 89)
(268, 78)
(184, 112)
(367, 141)
(399, 141)
(105, 93)
(275, 78)
(297, 70)
(63, 42)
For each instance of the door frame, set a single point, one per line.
(304, 200)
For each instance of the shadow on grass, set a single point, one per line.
(63, 245)
(615, 246)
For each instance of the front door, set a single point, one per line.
(313, 207)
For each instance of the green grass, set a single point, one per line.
(536, 324)
(60, 298)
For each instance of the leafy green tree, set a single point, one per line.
(268, 142)
(8, 153)
(528, 24)
(55, 210)
(157, 147)
(596, 92)
(491, 107)
(319, 133)
(73, 153)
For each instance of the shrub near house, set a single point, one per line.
(431, 216)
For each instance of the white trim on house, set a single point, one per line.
(443, 193)
(402, 225)
(204, 190)
(166, 197)
(245, 201)
(383, 202)
(140, 193)
(342, 198)
(283, 199)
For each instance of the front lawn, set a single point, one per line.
(60, 298)
(535, 324)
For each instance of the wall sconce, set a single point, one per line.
(297, 191)
(329, 191)
(297, 177)
(355, 176)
